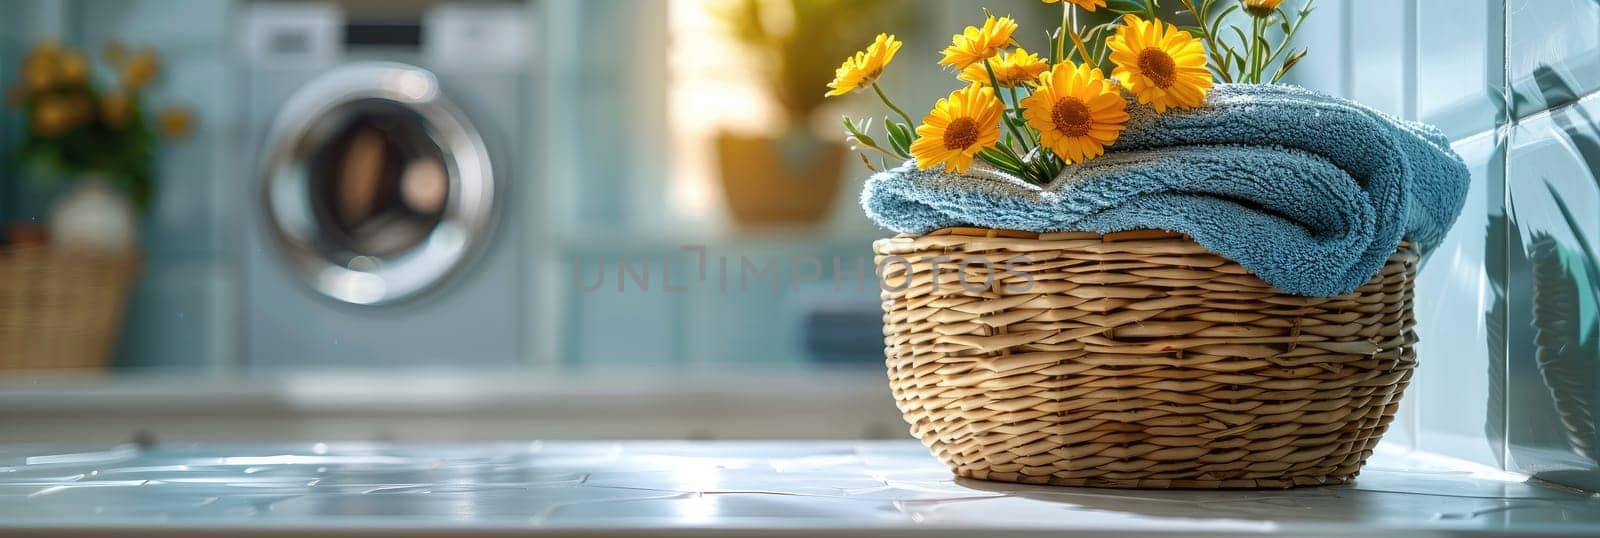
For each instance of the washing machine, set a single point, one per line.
(381, 219)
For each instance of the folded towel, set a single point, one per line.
(1311, 193)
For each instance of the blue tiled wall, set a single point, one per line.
(183, 314)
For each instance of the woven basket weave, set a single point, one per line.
(61, 310)
(1137, 360)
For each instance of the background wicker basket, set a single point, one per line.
(1137, 360)
(61, 310)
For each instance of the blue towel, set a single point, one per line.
(1311, 193)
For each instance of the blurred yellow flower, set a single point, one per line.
(1010, 70)
(40, 70)
(115, 109)
(52, 117)
(958, 127)
(74, 68)
(80, 109)
(140, 70)
(862, 70)
(1260, 8)
(1162, 65)
(1087, 5)
(1077, 111)
(176, 122)
(975, 44)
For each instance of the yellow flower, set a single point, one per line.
(960, 126)
(52, 117)
(115, 109)
(975, 44)
(74, 68)
(41, 69)
(1087, 5)
(1077, 111)
(140, 70)
(860, 71)
(176, 123)
(80, 109)
(1010, 70)
(1162, 65)
(1260, 8)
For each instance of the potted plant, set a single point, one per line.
(1128, 259)
(790, 176)
(95, 144)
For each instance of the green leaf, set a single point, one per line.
(998, 158)
(1055, 45)
(1215, 22)
(1238, 63)
(1288, 63)
(860, 132)
(899, 137)
(1010, 167)
(1243, 40)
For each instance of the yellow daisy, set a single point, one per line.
(975, 45)
(960, 126)
(1164, 66)
(860, 71)
(1087, 5)
(1260, 8)
(1010, 70)
(1077, 111)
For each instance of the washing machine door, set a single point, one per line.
(376, 188)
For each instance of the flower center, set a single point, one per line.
(1070, 116)
(1156, 64)
(960, 134)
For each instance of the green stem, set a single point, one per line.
(1061, 38)
(1005, 118)
(1018, 101)
(1288, 37)
(896, 109)
(1256, 55)
(1209, 36)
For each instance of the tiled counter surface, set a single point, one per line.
(889, 488)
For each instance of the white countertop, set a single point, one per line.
(432, 406)
(886, 488)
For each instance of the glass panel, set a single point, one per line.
(1455, 301)
(1378, 33)
(1554, 181)
(1553, 52)
(1461, 65)
(379, 185)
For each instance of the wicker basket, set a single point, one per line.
(61, 310)
(1137, 360)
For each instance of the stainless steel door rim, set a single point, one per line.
(377, 187)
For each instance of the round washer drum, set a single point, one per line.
(377, 187)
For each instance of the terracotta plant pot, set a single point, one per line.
(779, 181)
